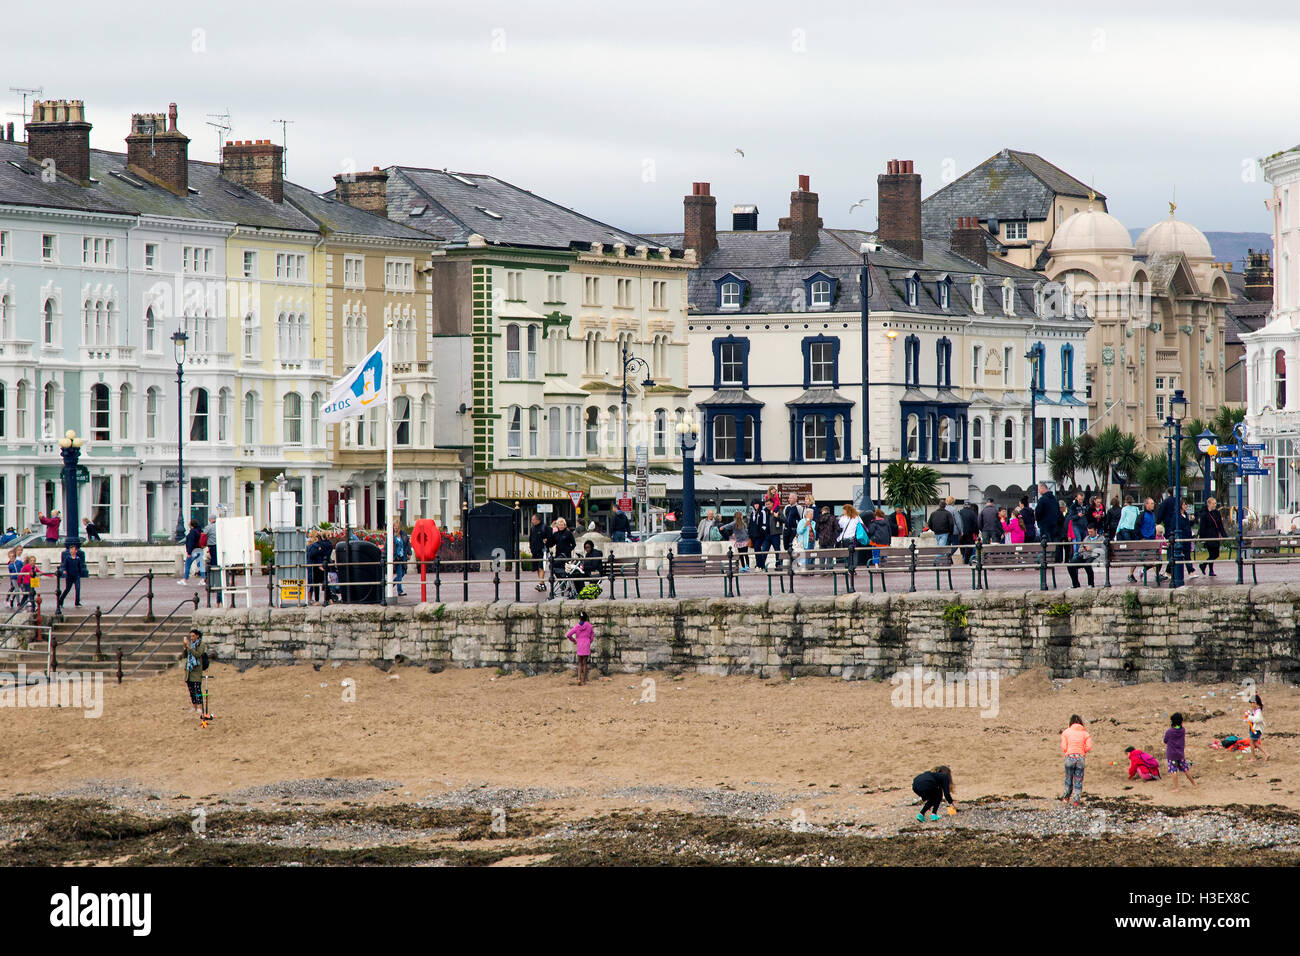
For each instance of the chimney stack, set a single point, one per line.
(968, 241)
(59, 131)
(158, 152)
(899, 202)
(803, 222)
(701, 227)
(257, 164)
(1259, 276)
(368, 191)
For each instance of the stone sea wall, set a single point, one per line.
(1224, 633)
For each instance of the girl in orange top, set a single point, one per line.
(1075, 744)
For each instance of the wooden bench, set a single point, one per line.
(883, 561)
(626, 568)
(822, 562)
(698, 565)
(1139, 553)
(1260, 549)
(1014, 557)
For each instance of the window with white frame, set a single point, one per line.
(514, 285)
(623, 291)
(531, 370)
(1008, 366)
(250, 335)
(124, 413)
(659, 294)
(731, 363)
(197, 260)
(514, 435)
(1008, 440)
(151, 414)
(591, 290)
(250, 264)
(6, 245)
(223, 415)
(313, 423)
(661, 431)
(555, 288)
(291, 266)
(399, 275)
(293, 419)
(730, 296)
(1016, 229)
(977, 297)
(199, 414)
(151, 337)
(6, 317)
(20, 409)
(426, 419)
(977, 439)
(821, 363)
(821, 295)
(402, 421)
(49, 247)
(977, 364)
(251, 430)
(534, 428)
(1008, 298)
(151, 256)
(354, 268)
(99, 411)
(555, 433)
(512, 351)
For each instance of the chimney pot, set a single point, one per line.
(700, 230)
(58, 130)
(160, 156)
(804, 184)
(899, 205)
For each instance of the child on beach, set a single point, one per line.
(1176, 749)
(1255, 717)
(1142, 764)
(580, 634)
(1075, 744)
(932, 787)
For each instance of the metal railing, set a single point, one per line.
(193, 601)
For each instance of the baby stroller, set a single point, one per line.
(572, 582)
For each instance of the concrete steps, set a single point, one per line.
(75, 649)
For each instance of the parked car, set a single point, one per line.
(664, 537)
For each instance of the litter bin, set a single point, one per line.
(361, 572)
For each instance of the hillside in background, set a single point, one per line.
(1232, 246)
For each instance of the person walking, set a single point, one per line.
(1075, 744)
(1176, 749)
(933, 787)
(1255, 717)
(738, 529)
(72, 567)
(1210, 529)
(194, 654)
(990, 526)
(193, 552)
(620, 525)
(401, 555)
(942, 524)
(1047, 515)
(850, 521)
(538, 543)
(580, 636)
(15, 569)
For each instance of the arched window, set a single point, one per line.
(223, 415)
(49, 412)
(534, 427)
(151, 414)
(124, 413)
(555, 433)
(513, 437)
(532, 351)
(199, 414)
(977, 439)
(1008, 440)
(821, 294)
(20, 410)
(293, 418)
(512, 351)
(945, 438)
(593, 430)
(49, 327)
(913, 436)
(1279, 379)
(250, 336)
(611, 427)
(730, 296)
(6, 318)
(315, 418)
(251, 435)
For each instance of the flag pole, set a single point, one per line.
(390, 495)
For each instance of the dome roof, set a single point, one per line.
(1091, 231)
(1174, 236)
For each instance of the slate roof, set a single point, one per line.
(776, 282)
(730, 396)
(212, 197)
(1243, 315)
(458, 205)
(1010, 185)
(819, 396)
(340, 218)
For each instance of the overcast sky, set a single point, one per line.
(615, 108)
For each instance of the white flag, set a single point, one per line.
(361, 389)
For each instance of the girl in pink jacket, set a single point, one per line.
(581, 634)
(1014, 529)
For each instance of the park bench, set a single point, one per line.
(1258, 549)
(823, 562)
(698, 565)
(1138, 553)
(1014, 557)
(625, 569)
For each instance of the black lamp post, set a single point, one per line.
(178, 348)
(1034, 356)
(1177, 412)
(865, 504)
(70, 449)
(630, 362)
(689, 542)
(1204, 442)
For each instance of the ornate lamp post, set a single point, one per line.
(866, 505)
(1034, 356)
(630, 362)
(70, 448)
(1177, 412)
(178, 348)
(689, 431)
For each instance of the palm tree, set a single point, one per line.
(1153, 476)
(1128, 459)
(1063, 461)
(1105, 454)
(1224, 424)
(910, 487)
(1085, 445)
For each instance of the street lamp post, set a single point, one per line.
(1204, 442)
(631, 362)
(178, 349)
(1034, 357)
(1177, 412)
(70, 448)
(689, 543)
(865, 503)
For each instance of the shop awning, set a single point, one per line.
(545, 484)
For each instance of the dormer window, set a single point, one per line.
(944, 288)
(1009, 297)
(731, 292)
(1040, 301)
(819, 290)
(1016, 229)
(977, 296)
(912, 288)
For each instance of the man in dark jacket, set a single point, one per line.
(72, 566)
(1078, 516)
(539, 539)
(764, 532)
(619, 525)
(1047, 514)
(1110, 527)
(990, 525)
(942, 524)
(791, 515)
(1167, 515)
(1027, 516)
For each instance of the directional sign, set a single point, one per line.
(1247, 461)
(1254, 471)
(1227, 450)
(1250, 446)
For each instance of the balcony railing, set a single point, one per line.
(263, 452)
(113, 354)
(16, 349)
(308, 365)
(217, 361)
